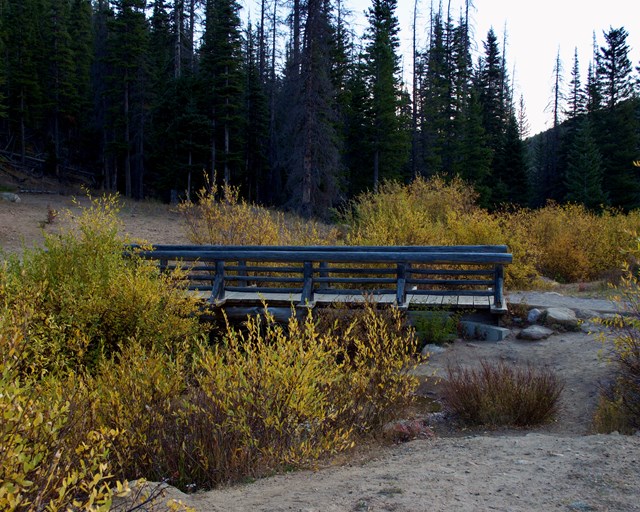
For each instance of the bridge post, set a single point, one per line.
(306, 297)
(217, 291)
(498, 288)
(401, 290)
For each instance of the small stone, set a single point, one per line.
(535, 333)
(534, 315)
(405, 430)
(581, 506)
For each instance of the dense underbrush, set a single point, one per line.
(567, 243)
(107, 375)
(619, 401)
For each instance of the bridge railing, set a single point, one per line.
(470, 276)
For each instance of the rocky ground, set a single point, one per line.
(561, 466)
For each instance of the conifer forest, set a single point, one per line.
(293, 108)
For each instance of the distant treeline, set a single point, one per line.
(296, 109)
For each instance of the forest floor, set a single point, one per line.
(559, 466)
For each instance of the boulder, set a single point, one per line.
(562, 318)
(431, 348)
(10, 196)
(587, 314)
(535, 333)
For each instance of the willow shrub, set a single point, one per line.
(51, 456)
(564, 242)
(220, 217)
(436, 212)
(619, 403)
(266, 397)
(116, 381)
(575, 244)
(88, 297)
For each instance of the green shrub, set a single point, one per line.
(435, 327)
(500, 394)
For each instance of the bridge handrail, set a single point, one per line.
(314, 261)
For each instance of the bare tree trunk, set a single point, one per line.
(414, 110)
(227, 171)
(261, 41)
(376, 169)
(178, 9)
(23, 132)
(140, 158)
(213, 148)
(272, 106)
(296, 32)
(127, 141)
(191, 34)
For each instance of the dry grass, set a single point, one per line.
(502, 395)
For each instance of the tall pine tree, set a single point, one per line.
(390, 141)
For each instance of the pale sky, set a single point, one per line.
(536, 30)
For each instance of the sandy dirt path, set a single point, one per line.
(517, 473)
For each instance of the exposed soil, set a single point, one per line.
(560, 466)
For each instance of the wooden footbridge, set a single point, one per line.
(244, 277)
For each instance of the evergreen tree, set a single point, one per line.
(222, 72)
(257, 122)
(436, 95)
(390, 140)
(358, 130)
(82, 39)
(24, 68)
(576, 104)
(62, 100)
(493, 97)
(583, 179)
(490, 83)
(614, 67)
(617, 133)
(475, 157)
(3, 63)
(592, 93)
(314, 156)
(127, 57)
(510, 181)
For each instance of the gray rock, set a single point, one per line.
(535, 333)
(480, 331)
(10, 196)
(534, 315)
(562, 318)
(432, 348)
(586, 314)
(581, 506)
